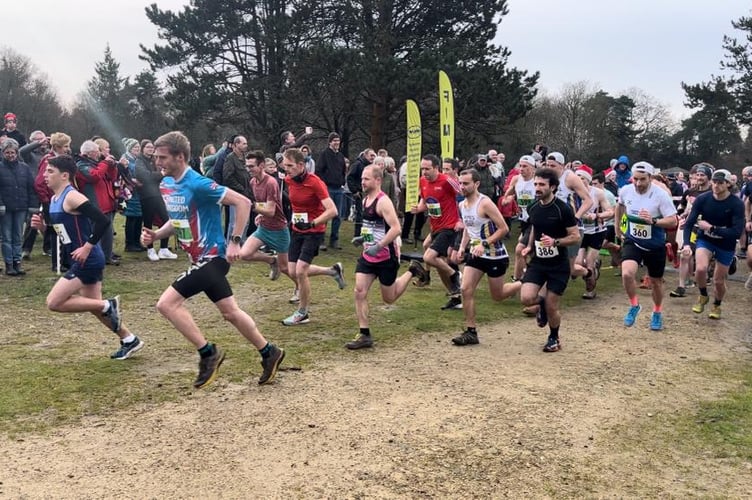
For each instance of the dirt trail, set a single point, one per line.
(422, 420)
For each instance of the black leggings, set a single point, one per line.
(155, 214)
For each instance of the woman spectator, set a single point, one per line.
(17, 198)
(153, 208)
(96, 178)
(310, 163)
(133, 214)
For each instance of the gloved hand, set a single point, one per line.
(303, 226)
(373, 250)
(357, 241)
(2, 210)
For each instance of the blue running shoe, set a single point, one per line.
(631, 316)
(656, 321)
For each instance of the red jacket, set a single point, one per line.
(43, 191)
(95, 180)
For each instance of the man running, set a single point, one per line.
(380, 257)
(312, 208)
(193, 205)
(438, 197)
(482, 238)
(271, 223)
(79, 226)
(649, 212)
(521, 188)
(719, 218)
(554, 228)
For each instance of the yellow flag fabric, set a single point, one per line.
(446, 115)
(414, 143)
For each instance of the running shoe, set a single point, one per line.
(631, 316)
(416, 269)
(590, 281)
(454, 303)
(589, 295)
(360, 342)
(732, 266)
(748, 283)
(296, 318)
(466, 338)
(700, 304)
(656, 321)
(552, 345)
(271, 364)
(679, 292)
(541, 316)
(274, 269)
(715, 312)
(339, 275)
(115, 314)
(127, 349)
(208, 368)
(295, 297)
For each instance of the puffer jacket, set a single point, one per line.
(95, 180)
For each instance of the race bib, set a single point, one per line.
(434, 209)
(182, 230)
(474, 242)
(367, 234)
(693, 237)
(640, 231)
(62, 234)
(545, 252)
(299, 217)
(261, 205)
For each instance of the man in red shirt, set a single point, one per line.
(312, 208)
(438, 196)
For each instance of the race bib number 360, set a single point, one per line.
(545, 252)
(640, 231)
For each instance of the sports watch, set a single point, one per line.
(236, 239)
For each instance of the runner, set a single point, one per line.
(380, 257)
(271, 223)
(650, 212)
(609, 240)
(554, 228)
(699, 178)
(522, 190)
(194, 206)
(79, 226)
(438, 197)
(311, 210)
(593, 231)
(719, 216)
(482, 238)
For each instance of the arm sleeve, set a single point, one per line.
(100, 221)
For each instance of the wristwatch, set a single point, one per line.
(485, 244)
(556, 243)
(655, 220)
(236, 239)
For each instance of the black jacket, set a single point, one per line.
(356, 174)
(331, 168)
(148, 177)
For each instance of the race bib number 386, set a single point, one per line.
(545, 252)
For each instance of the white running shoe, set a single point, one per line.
(152, 254)
(167, 255)
(748, 283)
(295, 297)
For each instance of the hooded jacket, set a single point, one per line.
(17, 186)
(623, 177)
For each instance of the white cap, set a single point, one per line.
(557, 157)
(643, 167)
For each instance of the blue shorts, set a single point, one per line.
(87, 275)
(276, 239)
(723, 257)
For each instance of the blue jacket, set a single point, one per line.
(17, 186)
(623, 177)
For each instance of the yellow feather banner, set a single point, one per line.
(446, 115)
(414, 144)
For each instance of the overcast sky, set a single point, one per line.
(650, 44)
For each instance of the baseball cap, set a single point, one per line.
(643, 167)
(529, 159)
(722, 175)
(557, 157)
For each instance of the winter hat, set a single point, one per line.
(10, 116)
(623, 160)
(128, 143)
(613, 162)
(704, 169)
(585, 172)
